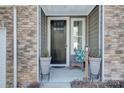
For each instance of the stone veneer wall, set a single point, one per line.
(6, 14)
(27, 43)
(114, 42)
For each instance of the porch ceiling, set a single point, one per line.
(67, 10)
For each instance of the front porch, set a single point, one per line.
(63, 32)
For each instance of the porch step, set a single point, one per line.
(57, 85)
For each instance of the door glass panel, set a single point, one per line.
(76, 36)
(58, 41)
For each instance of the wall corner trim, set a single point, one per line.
(102, 22)
(38, 16)
(14, 47)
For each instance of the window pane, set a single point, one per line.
(76, 35)
(77, 28)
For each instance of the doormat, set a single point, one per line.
(58, 66)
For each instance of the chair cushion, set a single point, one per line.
(79, 55)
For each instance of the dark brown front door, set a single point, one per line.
(58, 41)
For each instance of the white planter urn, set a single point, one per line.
(95, 65)
(45, 64)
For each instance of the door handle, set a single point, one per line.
(65, 45)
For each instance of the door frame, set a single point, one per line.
(83, 32)
(67, 38)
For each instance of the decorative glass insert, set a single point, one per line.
(76, 37)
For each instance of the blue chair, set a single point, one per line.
(79, 55)
(77, 59)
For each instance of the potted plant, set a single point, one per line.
(45, 61)
(95, 61)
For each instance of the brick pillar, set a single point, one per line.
(114, 42)
(27, 43)
(6, 14)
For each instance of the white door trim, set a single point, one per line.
(84, 30)
(67, 38)
(102, 37)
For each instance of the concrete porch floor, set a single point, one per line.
(61, 77)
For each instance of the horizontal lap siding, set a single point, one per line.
(93, 28)
(43, 31)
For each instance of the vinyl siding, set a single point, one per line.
(43, 31)
(93, 28)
